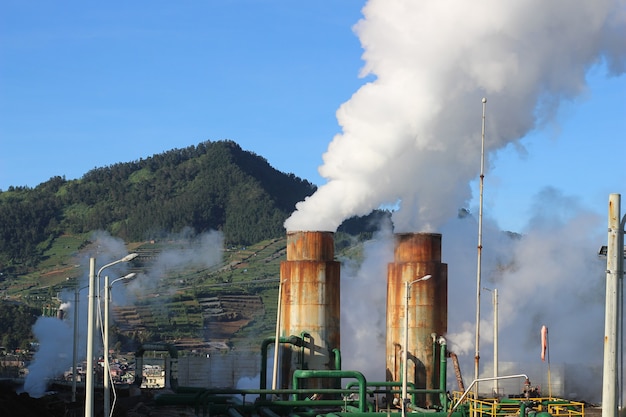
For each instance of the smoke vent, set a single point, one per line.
(309, 303)
(416, 255)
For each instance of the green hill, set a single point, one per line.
(211, 186)
(155, 205)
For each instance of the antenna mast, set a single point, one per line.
(480, 248)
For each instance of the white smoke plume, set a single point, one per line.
(183, 251)
(549, 275)
(412, 136)
(55, 337)
(53, 357)
(363, 302)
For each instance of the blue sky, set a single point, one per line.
(388, 107)
(85, 85)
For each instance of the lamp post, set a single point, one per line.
(277, 339)
(494, 297)
(405, 342)
(107, 369)
(614, 291)
(94, 282)
(90, 330)
(75, 346)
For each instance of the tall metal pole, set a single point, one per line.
(480, 250)
(405, 341)
(89, 385)
(75, 346)
(614, 273)
(494, 298)
(277, 339)
(495, 340)
(107, 369)
(405, 344)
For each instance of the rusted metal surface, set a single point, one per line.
(417, 247)
(310, 304)
(415, 256)
(310, 246)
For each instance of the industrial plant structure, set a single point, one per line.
(307, 376)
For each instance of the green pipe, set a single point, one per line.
(301, 374)
(337, 356)
(410, 386)
(305, 335)
(443, 367)
(443, 398)
(433, 382)
(266, 412)
(233, 412)
(293, 340)
(337, 353)
(353, 409)
(382, 384)
(397, 414)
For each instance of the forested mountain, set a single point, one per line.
(211, 186)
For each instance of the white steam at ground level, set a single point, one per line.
(413, 135)
(55, 337)
(53, 357)
(550, 275)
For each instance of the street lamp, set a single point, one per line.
(494, 293)
(277, 339)
(107, 369)
(90, 330)
(405, 344)
(613, 307)
(75, 346)
(94, 279)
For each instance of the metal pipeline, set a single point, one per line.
(443, 367)
(233, 413)
(306, 342)
(433, 382)
(457, 370)
(293, 340)
(441, 391)
(378, 384)
(337, 354)
(413, 414)
(302, 374)
(266, 412)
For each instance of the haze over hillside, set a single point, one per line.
(211, 186)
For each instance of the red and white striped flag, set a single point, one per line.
(544, 342)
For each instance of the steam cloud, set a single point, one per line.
(55, 336)
(551, 275)
(412, 136)
(53, 357)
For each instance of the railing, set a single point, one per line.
(491, 407)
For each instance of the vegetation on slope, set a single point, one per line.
(211, 186)
(45, 232)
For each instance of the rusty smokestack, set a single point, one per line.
(416, 255)
(310, 303)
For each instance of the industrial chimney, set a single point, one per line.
(416, 255)
(309, 304)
